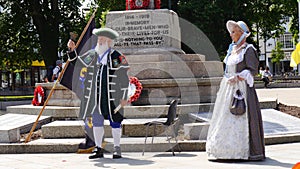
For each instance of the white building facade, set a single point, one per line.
(286, 39)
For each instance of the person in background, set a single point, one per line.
(56, 70)
(267, 76)
(45, 79)
(261, 70)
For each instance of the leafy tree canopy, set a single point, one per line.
(36, 29)
(277, 53)
(39, 29)
(264, 17)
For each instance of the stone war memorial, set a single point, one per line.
(151, 40)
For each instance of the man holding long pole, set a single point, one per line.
(84, 35)
(105, 84)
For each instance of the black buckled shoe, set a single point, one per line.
(98, 153)
(117, 152)
(87, 146)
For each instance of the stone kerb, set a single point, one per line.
(146, 31)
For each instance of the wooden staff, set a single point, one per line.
(58, 80)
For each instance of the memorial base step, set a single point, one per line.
(128, 144)
(145, 111)
(13, 125)
(75, 129)
(56, 112)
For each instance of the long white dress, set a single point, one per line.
(228, 134)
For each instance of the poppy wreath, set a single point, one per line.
(157, 4)
(127, 4)
(39, 96)
(134, 6)
(138, 89)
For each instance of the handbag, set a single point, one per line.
(238, 106)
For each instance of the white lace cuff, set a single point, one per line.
(247, 76)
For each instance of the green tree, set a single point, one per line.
(269, 15)
(294, 25)
(277, 55)
(211, 17)
(36, 29)
(264, 17)
(18, 42)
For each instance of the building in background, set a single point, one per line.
(286, 39)
(22, 81)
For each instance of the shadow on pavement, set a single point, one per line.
(104, 162)
(267, 162)
(272, 162)
(177, 154)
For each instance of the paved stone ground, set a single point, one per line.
(283, 156)
(286, 96)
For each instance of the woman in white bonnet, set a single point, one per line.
(230, 136)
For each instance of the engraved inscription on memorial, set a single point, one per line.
(141, 30)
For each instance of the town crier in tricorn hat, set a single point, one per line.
(104, 82)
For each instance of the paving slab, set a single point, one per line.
(283, 156)
(12, 125)
(278, 123)
(287, 96)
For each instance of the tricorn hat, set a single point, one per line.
(107, 32)
(231, 24)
